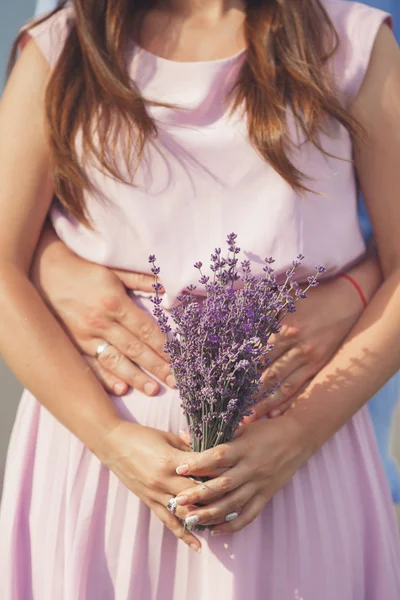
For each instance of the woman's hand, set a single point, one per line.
(310, 337)
(144, 460)
(260, 461)
(91, 302)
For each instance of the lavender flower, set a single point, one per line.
(218, 348)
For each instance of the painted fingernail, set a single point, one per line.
(150, 388)
(195, 548)
(181, 500)
(191, 521)
(215, 532)
(231, 517)
(119, 388)
(183, 470)
(171, 382)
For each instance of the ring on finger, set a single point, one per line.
(172, 505)
(100, 349)
(231, 517)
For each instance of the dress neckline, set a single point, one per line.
(193, 63)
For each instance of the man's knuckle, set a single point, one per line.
(273, 377)
(134, 348)
(92, 319)
(161, 370)
(112, 303)
(318, 357)
(110, 358)
(313, 352)
(291, 332)
(137, 380)
(146, 330)
(286, 389)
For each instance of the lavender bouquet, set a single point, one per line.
(219, 346)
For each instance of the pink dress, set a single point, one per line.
(69, 529)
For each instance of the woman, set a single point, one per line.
(337, 306)
(85, 515)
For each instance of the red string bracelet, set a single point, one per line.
(358, 288)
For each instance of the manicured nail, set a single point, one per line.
(191, 521)
(231, 517)
(181, 500)
(171, 382)
(150, 388)
(275, 413)
(195, 548)
(119, 388)
(215, 532)
(183, 470)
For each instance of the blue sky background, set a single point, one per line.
(392, 6)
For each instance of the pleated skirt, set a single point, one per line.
(69, 530)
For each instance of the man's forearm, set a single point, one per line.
(365, 362)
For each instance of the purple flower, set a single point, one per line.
(219, 348)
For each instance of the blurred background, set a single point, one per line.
(13, 14)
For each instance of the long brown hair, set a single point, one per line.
(289, 45)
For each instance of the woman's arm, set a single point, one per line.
(268, 453)
(34, 345)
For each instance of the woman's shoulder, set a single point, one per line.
(357, 26)
(51, 34)
(355, 20)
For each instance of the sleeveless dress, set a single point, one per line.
(69, 530)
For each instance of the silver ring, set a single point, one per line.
(231, 517)
(172, 505)
(101, 348)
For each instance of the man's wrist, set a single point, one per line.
(367, 275)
